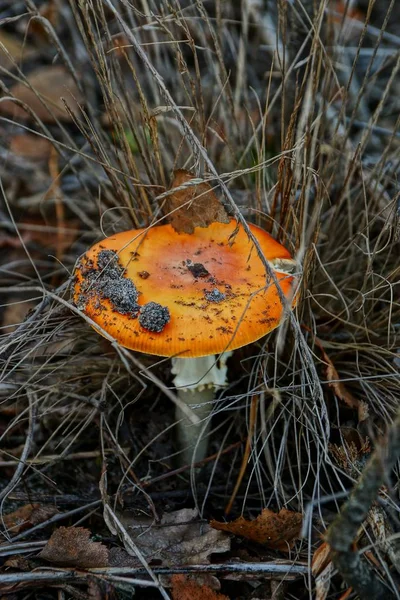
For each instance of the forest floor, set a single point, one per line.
(288, 115)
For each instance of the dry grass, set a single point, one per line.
(293, 117)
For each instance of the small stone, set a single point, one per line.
(154, 317)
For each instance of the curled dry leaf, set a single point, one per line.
(193, 206)
(186, 588)
(26, 517)
(339, 388)
(49, 85)
(274, 530)
(72, 547)
(180, 538)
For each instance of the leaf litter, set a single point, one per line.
(179, 538)
(277, 531)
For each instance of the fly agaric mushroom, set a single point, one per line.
(186, 296)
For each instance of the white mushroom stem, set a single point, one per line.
(197, 381)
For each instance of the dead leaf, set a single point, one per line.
(194, 206)
(322, 568)
(72, 547)
(274, 530)
(118, 557)
(180, 538)
(321, 558)
(19, 563)
(341, 392)
(27, 516)
(13, 50)
(51, 83)
(99, 589)
(31, 147)
(339, 389)
(186, 588)
(206, 579)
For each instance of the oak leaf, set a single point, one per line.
(274, 530)
(193, 206)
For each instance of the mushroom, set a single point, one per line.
(191, 297)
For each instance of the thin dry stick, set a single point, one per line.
(356, 572)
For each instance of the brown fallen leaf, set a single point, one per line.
(32, 147)
(180, 538)
(341, 392)
(20, 563)
(72, 547)
(27, 516)
(194, 206)
(274, 530)
(51, 83)
(186, 588)
(339, 388)
(14, 50)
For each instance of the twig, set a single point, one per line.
(264, 568)
(355, 571)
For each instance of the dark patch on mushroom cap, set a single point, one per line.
(197, 269)
(122, 294)
(108, 282)
(215, 295)
(108, 263)
(154, 317)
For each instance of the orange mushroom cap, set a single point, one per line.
(177, 294)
